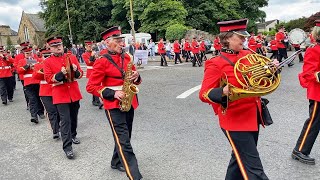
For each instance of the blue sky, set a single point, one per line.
(284, 10)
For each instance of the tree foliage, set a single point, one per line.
(176, 31)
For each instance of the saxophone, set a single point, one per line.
(128, 88)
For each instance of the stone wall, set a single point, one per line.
(198, 33)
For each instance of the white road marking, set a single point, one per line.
(188, 92)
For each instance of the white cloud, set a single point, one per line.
(291, 10)
(10, 11)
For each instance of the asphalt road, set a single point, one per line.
(173, 139)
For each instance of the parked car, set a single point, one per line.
(208, 45)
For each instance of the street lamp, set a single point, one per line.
(70, 35)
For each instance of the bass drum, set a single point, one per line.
(297, 36)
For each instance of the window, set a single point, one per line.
(26, 34)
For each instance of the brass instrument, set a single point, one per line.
(69, 69)
(257, 75)
(128, 88)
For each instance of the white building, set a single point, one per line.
(267, 26)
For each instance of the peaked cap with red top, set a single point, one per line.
(236, 26)
(317, 22)
(54, 40)
(113, 32)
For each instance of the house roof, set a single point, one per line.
(14, 33)
(37, 22)
(265, 24)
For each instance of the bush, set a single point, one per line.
(176, 31)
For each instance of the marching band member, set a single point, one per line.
(252, 43)
(106, 81)
(217, 45)
(6, 88)
(45, 94)
(20, 76)
(177, 51)
(89, 58)
(31, 85)
(240, 122)
(202, 49)
(162, 52)
(280, 38)
(274, 48)
(310, 79)
(260, 41)
(187, 48)
(195, 51)
(61, 71)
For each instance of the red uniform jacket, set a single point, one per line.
(45, 88)
(259, 41)
(252, 44)
(217, 44)
(309, 77)
(241, 115)
(106, 75)
(273, 45)
(195, 47)
(161, 48)
(312, 40)
(280, 36)
(27, 73)
(187, 46)
(202, 46)
(5, 67)
(16, 62)
(86, 56)
(62, 92)
(176, 47)
(296, 45)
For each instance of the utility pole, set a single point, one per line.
(131, 22)
(70, 32)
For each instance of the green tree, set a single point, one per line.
(87, 18)
(176, 31)
(10, 45)
(296, 23)
(159, 15)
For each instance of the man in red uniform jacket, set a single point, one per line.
(202, 49)
(280, 38)
(240, 119)
(6, 88)
(252, 43)
(274, 48)
(217, 45)
(89, 58)
(310, 79)
(187, 48)
(61, 70)
(195, 51)
(45, 94)
(106, 81)
(162, 52)
(177, 51)
(31, 85)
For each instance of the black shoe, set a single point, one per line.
(96, 103)
(290, 64)
(70, 154)
(101, 106)
(10, 100)
(42, 116)
(28, 108)
(75, 140)
(119, 167)
(296, 155)
(4, 102)
(34, 120)
(56, 136)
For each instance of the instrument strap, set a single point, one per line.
(115, 64)
(229, 61)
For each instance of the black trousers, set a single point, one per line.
(163, 59)
(216, 52)
(188, 56)
(68, 113)
(24, 92)
(196, 59)
(121, 127)
(36, 107)
(203, 56)
(274, 54)
(13, 80)
(300, 55)
(177, 57)
(282, 54)
(6, 89)
(310, 129)
(52, 113)
(245, 162)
